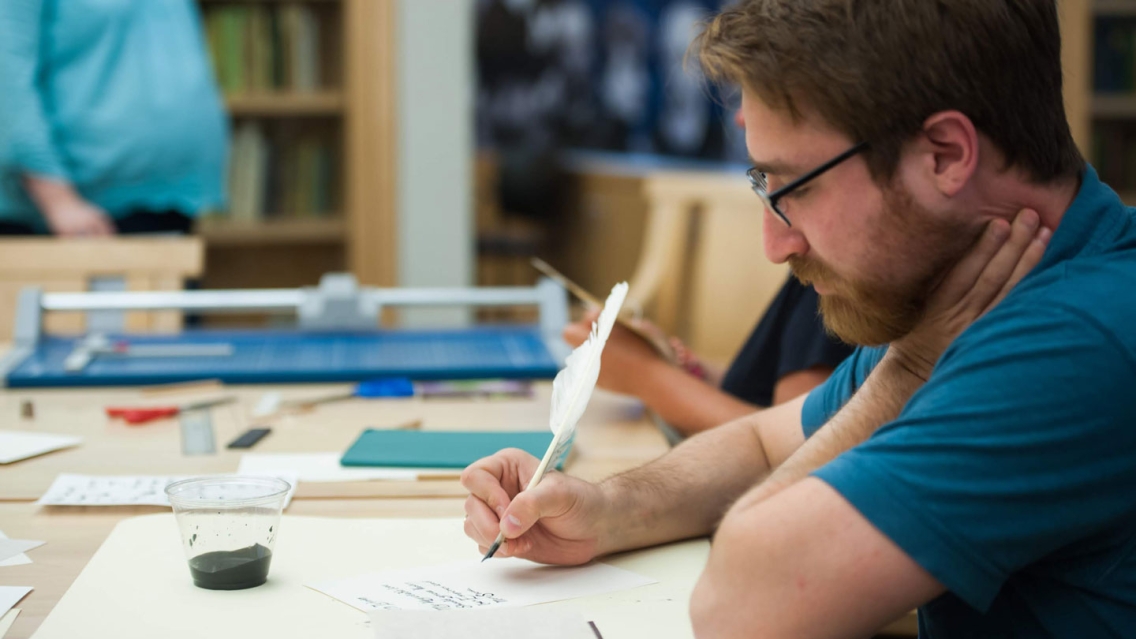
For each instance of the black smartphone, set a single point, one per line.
(249, 437)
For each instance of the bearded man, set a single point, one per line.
(975, 457)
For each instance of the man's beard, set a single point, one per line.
(871, 313)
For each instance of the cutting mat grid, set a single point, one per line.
(284, 357)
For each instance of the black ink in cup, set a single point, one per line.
(228, 528)
(231, 569)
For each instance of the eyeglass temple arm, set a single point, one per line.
(817, 171)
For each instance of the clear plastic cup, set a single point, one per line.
(228, 527)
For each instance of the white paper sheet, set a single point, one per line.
(123, 490)
(323, 467)
(16, 445)
(473, 584)
(11, 595)
(18, 560)
(137, 586)
(7, 620)
(493, 623)
(15, 548)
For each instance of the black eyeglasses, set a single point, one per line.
(760, 184)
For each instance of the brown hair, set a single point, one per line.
(877, 69)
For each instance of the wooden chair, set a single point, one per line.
(73, 265)
(702, 272)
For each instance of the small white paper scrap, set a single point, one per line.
(11, 595)
(16, 445)
(498, 623)
(14, 548)
(318, 467)
(18, 560)
(473, 584)
(122, 490)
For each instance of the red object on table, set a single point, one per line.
(141, 414)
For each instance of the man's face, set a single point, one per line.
(873, 254)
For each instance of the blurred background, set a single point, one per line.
(447, 142)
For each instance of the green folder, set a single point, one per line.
(437, 448)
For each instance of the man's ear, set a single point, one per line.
(949, 149)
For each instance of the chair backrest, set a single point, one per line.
(702, 270)
(73, 265)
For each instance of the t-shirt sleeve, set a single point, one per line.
(1020, 443)
(805, 344)
(26, 144)
(824, 400)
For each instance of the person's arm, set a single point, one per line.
(65, 210)
(631, 367)
(804, 564)
(564, 520)
(28, 157)
(799, 383)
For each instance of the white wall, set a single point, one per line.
(435, 92)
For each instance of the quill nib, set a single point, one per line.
(494, 547)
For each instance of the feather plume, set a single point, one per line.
(573, 387)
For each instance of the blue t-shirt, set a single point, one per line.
(1011, 474)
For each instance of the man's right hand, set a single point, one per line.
(557, 522)
(66, 212)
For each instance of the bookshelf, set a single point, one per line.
(309, 87)
(327, 103)
(223, 233)
(1111, 89)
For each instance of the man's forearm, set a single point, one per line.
(685, 493)
(879, 401)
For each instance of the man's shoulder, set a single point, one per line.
(1096, 292)
(1079, 308)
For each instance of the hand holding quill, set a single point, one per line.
(572, 389)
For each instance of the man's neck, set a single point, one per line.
(1005, 193)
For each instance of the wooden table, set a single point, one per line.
(614, 436)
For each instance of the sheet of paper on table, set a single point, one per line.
(492, 623)
(11, 595)
(15, 548)
(324, 467)
(16, 445)
(477, 584)
(138, 581)
(122, 490)
(18, 560)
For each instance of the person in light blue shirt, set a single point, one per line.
(110, 119)
(913, 162)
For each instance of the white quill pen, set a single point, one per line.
(572, 389)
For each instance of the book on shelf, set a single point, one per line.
(1114, 54)
(258, 48)
(280, 173)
